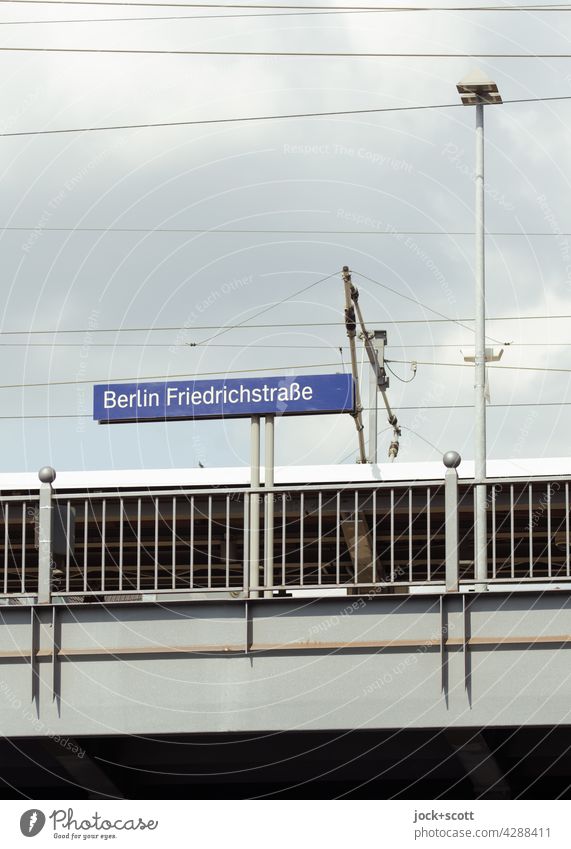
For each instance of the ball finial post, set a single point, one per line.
(452, 459)
(47, 474)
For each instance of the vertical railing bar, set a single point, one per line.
(6, 543)
(67, 544)
(530, 530)
(355, 538)
(428, 539)
(121, 541)
(139, 531)
(156, 552)
(209, 541)
(283, 539)
(474, 511)
(191, 542)
(567, 529)
(319, 529)
(338, 539)
(23, 572)
(512, 532)
(246, 540)
(410, 534)
(173, 558)
(301, 529)
(227, 540)
(85, 541)
(103, 540)
(392, 536)
(549, 529)
(494, 541)
(374, 508)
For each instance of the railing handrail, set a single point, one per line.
(247, 490)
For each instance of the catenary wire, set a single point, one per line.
(295, 54)
(330, 347)
(340, 323)
(214, 231)
(296, 14)
(266, 309)
(190, 376)
(184, 375)
(491, 367)
(418, 303)
(365, 409)
(262, 6)
(251, 118)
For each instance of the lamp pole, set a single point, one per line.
(481, 534)
(477, 90)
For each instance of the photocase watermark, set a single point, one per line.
(9, 121)
(456, 155)
(32, 822)
(543, 505)
(409, 243)
(553, 224)
(185, 336)
(65, 824)
(371, 156)
(83, 406)
(67, 189)
(412, 659)
(37, 724)
(524, 432)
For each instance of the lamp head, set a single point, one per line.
(477, 88)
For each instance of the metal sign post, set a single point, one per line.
(269, 506)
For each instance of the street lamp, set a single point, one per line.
(477, 90)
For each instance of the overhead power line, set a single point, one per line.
(221, 17)
(251, 118)
(491, 367)
(214, 231)
(517, 404)
(295, 14)
(139, 379)
(140, 346)
(264, 6)
(243, 119)
(284, 53)
(419, 303)
(269, 307)
(190, 376)
(194, 328)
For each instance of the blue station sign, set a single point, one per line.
(223, 399)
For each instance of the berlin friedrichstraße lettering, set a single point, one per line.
(209, 399)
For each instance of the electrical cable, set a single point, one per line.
(295, 54)
(420, 304)
(301, 347)
(264, 6)
(250, 118)
(447, 407)
(213, 231)
(272, 306)
(296, 14)
(139, 379)
(394, 374)
(295, 324)
(490, 367)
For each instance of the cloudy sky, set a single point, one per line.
(403, 178)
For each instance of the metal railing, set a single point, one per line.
(358, 539)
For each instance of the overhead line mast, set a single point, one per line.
(353, 314)
(351, 326)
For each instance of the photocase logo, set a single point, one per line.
(32, 822)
